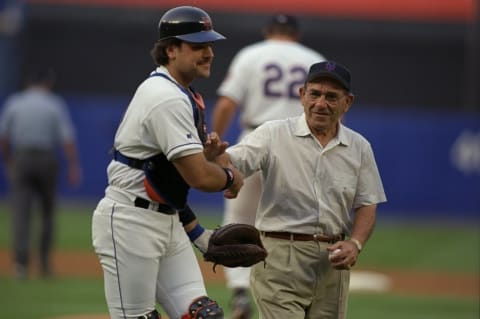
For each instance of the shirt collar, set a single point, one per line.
(164, 70)
(302, 129)
(342, 136)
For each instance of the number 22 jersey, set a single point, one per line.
(264, 79)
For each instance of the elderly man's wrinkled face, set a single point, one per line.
(324, 102)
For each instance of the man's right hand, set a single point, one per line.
(214, 146)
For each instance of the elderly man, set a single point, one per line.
(321, 187)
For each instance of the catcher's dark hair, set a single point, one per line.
(158, 52)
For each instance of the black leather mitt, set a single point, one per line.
(235, 245)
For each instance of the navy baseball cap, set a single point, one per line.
(332, 70)
(282, 19)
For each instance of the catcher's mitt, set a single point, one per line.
(235, 245)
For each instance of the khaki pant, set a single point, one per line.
(298, 282)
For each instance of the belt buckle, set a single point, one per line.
(154, 206)
(315, 237)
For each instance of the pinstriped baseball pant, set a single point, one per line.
(146, 258)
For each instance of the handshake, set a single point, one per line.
(214, 151)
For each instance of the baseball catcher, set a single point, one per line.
(233, 245)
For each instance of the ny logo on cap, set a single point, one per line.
(207, 23)
(330, 66)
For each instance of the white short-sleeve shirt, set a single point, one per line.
(308, 188)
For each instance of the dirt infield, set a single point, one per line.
(85, 264)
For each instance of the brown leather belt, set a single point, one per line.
(304, 237)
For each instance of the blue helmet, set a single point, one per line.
(188, 24)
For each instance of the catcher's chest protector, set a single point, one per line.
(163, 183)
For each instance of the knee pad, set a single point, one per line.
(151, 315)
(204, 308)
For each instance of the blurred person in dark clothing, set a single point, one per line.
(33, 123)
(12, 22)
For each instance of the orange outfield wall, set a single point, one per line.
(423, 10)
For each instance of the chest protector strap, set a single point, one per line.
(163, 183)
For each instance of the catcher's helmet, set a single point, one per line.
(188, 24)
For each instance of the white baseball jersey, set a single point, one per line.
(264, 79)
(159, 118)
(146, 255)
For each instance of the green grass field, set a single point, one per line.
(427, 247)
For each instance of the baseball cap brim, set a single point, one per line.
(201, 37)
(325, 74)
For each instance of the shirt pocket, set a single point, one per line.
(342, 190)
